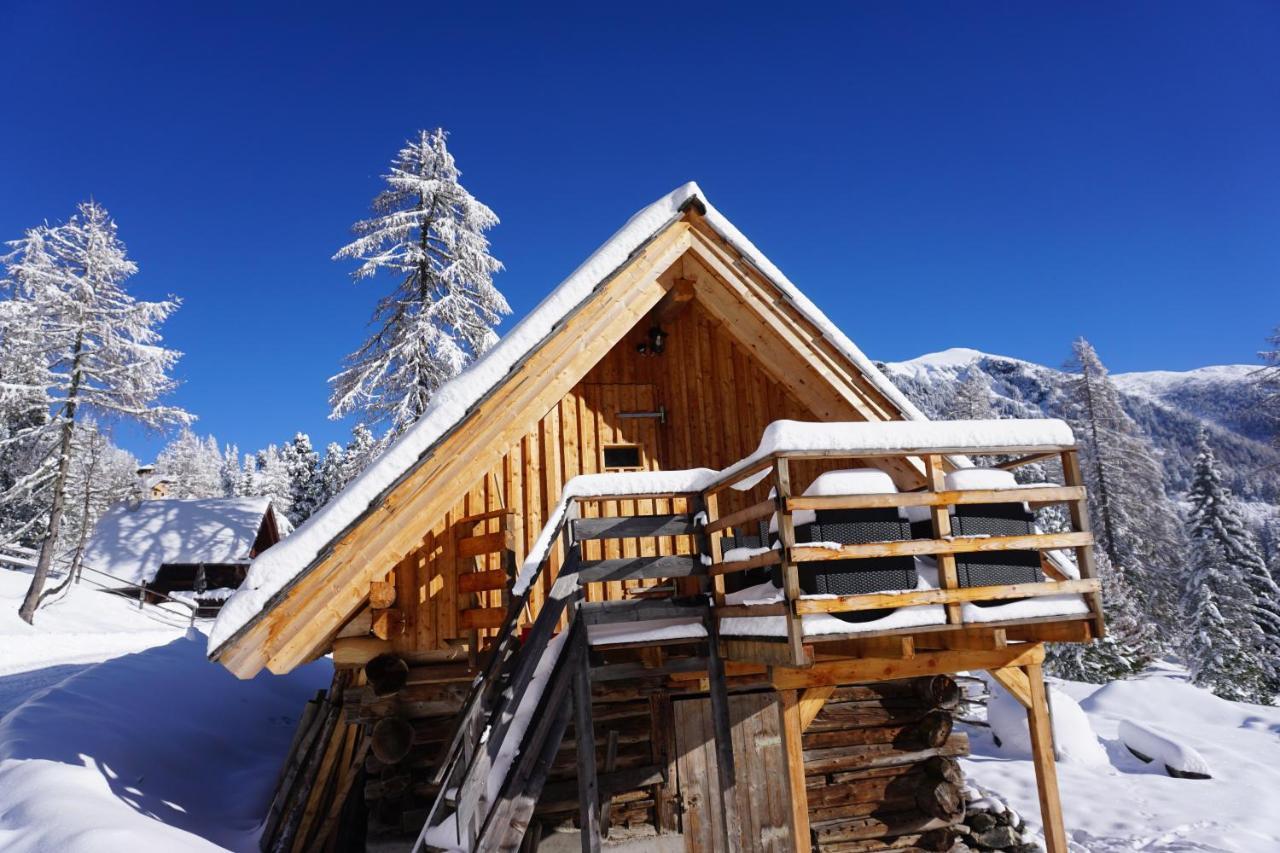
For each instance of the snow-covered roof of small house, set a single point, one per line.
(133, 540)
(273, 572)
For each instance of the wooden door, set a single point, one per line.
(759, 771)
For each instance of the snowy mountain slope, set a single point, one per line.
(1170, 407)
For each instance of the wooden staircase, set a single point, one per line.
(517, 704)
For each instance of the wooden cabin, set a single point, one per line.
(673, 558)
(197, 550)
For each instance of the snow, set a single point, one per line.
(1162, 748)
(980, 478)
(955, 358)
(107, 709)
(850, 481)
(973, 436)
(647, 631)
(132, 541)
(277, 569)
(1028, 608)
(1073, 737)
(1127, 805)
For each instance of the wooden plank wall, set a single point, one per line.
(718, 401)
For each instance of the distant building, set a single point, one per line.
(198, 550)
(152, 485)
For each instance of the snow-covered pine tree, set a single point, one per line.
(1223, 643)
(972, 400)
(1215, 518)
(193, 464)
(359, 452)
(427, 233)
(1129, 645)
(230, 473)
(332, 469)
(269, 477)
(1135, 523)
(303, 465)
(95, 347)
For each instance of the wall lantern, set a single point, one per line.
(656, 343)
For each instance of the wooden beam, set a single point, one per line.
(790, 577)
(723, 730)
(387, 623)
(879, 600)
(1015, 681)
(768, 558)
(483, 581)
(812, 702)
(1080, 521)
(763, 509)
(940, 517)
(1039, 495)
(485, 543)
(793, 727)
(481, 617)
(943, 547)
(588, 785)
(855, 671)
(1055, 834)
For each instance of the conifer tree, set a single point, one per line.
(1223, 643)
(193, 464)
(1214, 518)
(1134, 522)
(427, 234)
(972, 400)
(93, 350)
(303, 465)
(332, 470)
(1130, 642)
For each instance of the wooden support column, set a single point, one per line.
(1071, 476)
(790, 574)
(588, 784)
(1055, 834)
(793, 754)
(941, 518)
(722, 727)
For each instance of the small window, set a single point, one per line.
(621, 456)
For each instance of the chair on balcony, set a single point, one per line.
(987, 568)
(854, 527)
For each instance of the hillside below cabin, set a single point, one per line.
(674, 558)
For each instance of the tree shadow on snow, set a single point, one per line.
(174, 737)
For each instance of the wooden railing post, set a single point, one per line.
(1055, 834)
(941, 518)
(584, 729)
(1080, 522)
(790, 574)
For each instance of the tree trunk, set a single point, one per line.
(45, 563)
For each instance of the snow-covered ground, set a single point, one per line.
(116, 734)
(1124, 804)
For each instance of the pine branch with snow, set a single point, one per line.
(427, 233)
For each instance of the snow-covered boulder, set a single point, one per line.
(1073, 737)
(1179, 759)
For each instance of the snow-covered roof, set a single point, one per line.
(133, 540)
(277, 569)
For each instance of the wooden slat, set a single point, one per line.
(629, 527)
(1042, 495)
(469, 582)
(957, 545)
(597, 571)
(487, 543)
(878, 600)
(481, 617)
(886, 669)
(769, 558)
(742, 516)
(610, 612)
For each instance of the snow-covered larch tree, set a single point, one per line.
(972, 400)
(1135, 523)
(1215, 518)
(94, 349)
(427, 234)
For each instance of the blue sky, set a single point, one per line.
(1001, 176)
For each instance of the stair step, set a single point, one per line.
(630, 568)
(641, 610)
(632, 526)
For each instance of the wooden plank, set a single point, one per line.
(768, 652)
(957, 545)
(588, 785)
(1080, 521)
(632, 526)
(940, 521)
(1055, 834)
(1015, 681)
(486, 543)
(878, 600)
(1037, 495)
(793, 725)
(612, 612)
(769, 558)
(481, 617)
(387, 624)
(790, 575)
(350, 772)
(491, 579)
(722, 729)
(887, 669)
(680, 566)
